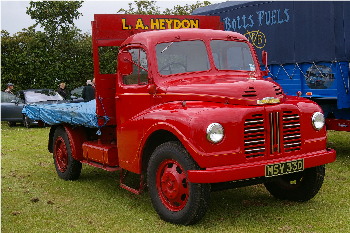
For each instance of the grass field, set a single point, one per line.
(34, 199)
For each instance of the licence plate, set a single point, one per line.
(278, 169)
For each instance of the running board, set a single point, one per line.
(102, 166)
(123, 174)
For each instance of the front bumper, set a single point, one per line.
(256, 169)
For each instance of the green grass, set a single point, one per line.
(34, 199)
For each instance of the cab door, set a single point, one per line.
(131, 99)
(11, 108)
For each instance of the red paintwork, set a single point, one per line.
(256, 169)
(172, 185)
(76, 137)
(185, 104)
(61, 154)
(105, 154)
(109, 30)
(338, 124)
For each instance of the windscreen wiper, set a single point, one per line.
(166, 47)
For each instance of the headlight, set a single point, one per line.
(317, 120)
(215, 133)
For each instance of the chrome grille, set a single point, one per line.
(254, 136)
(284, 133)
(275, 137)
(291, 131)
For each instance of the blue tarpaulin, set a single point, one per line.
(83, 113)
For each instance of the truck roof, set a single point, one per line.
(153, 37)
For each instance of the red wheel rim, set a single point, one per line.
(172, 185)
(61, 154)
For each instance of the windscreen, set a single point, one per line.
(182, 57)
(232, 55)
(42, 96)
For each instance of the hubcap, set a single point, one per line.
(61, 154)
(172, 185)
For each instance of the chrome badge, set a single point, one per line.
(268, 100)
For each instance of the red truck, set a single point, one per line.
(188, 111)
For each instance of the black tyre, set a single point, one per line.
(66, 166)
(300, 186)
(26, 121)
(11, 123)
(174, 198)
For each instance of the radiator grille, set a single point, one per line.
(275, 132)
(291, 131)
(254, 136)
(284, 133)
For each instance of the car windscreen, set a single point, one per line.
(42, 96)
(182, 57)
(7, 97)
(232, 55)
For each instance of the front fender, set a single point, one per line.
(189, 121)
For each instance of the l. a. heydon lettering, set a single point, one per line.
(161, 24)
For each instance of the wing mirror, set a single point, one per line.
(15, 101)
(264, 61)
(125, 63)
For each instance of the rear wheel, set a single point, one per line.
(26, 121)
(175, 199)
(300, 186)
(67, 167)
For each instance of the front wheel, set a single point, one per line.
(175, 199)
(66, 166)
(300, 186)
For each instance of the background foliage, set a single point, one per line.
(60, 52)
(151, 8)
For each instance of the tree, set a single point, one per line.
(185, 10)
(142, 8)
(150, 8)
(54, 16)
(22, 58)
(43, 59)
(28, 61)
(63, 41)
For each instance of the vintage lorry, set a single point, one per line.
(188, 111)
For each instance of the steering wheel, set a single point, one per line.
(172, 64)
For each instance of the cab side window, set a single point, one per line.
(139, 75)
